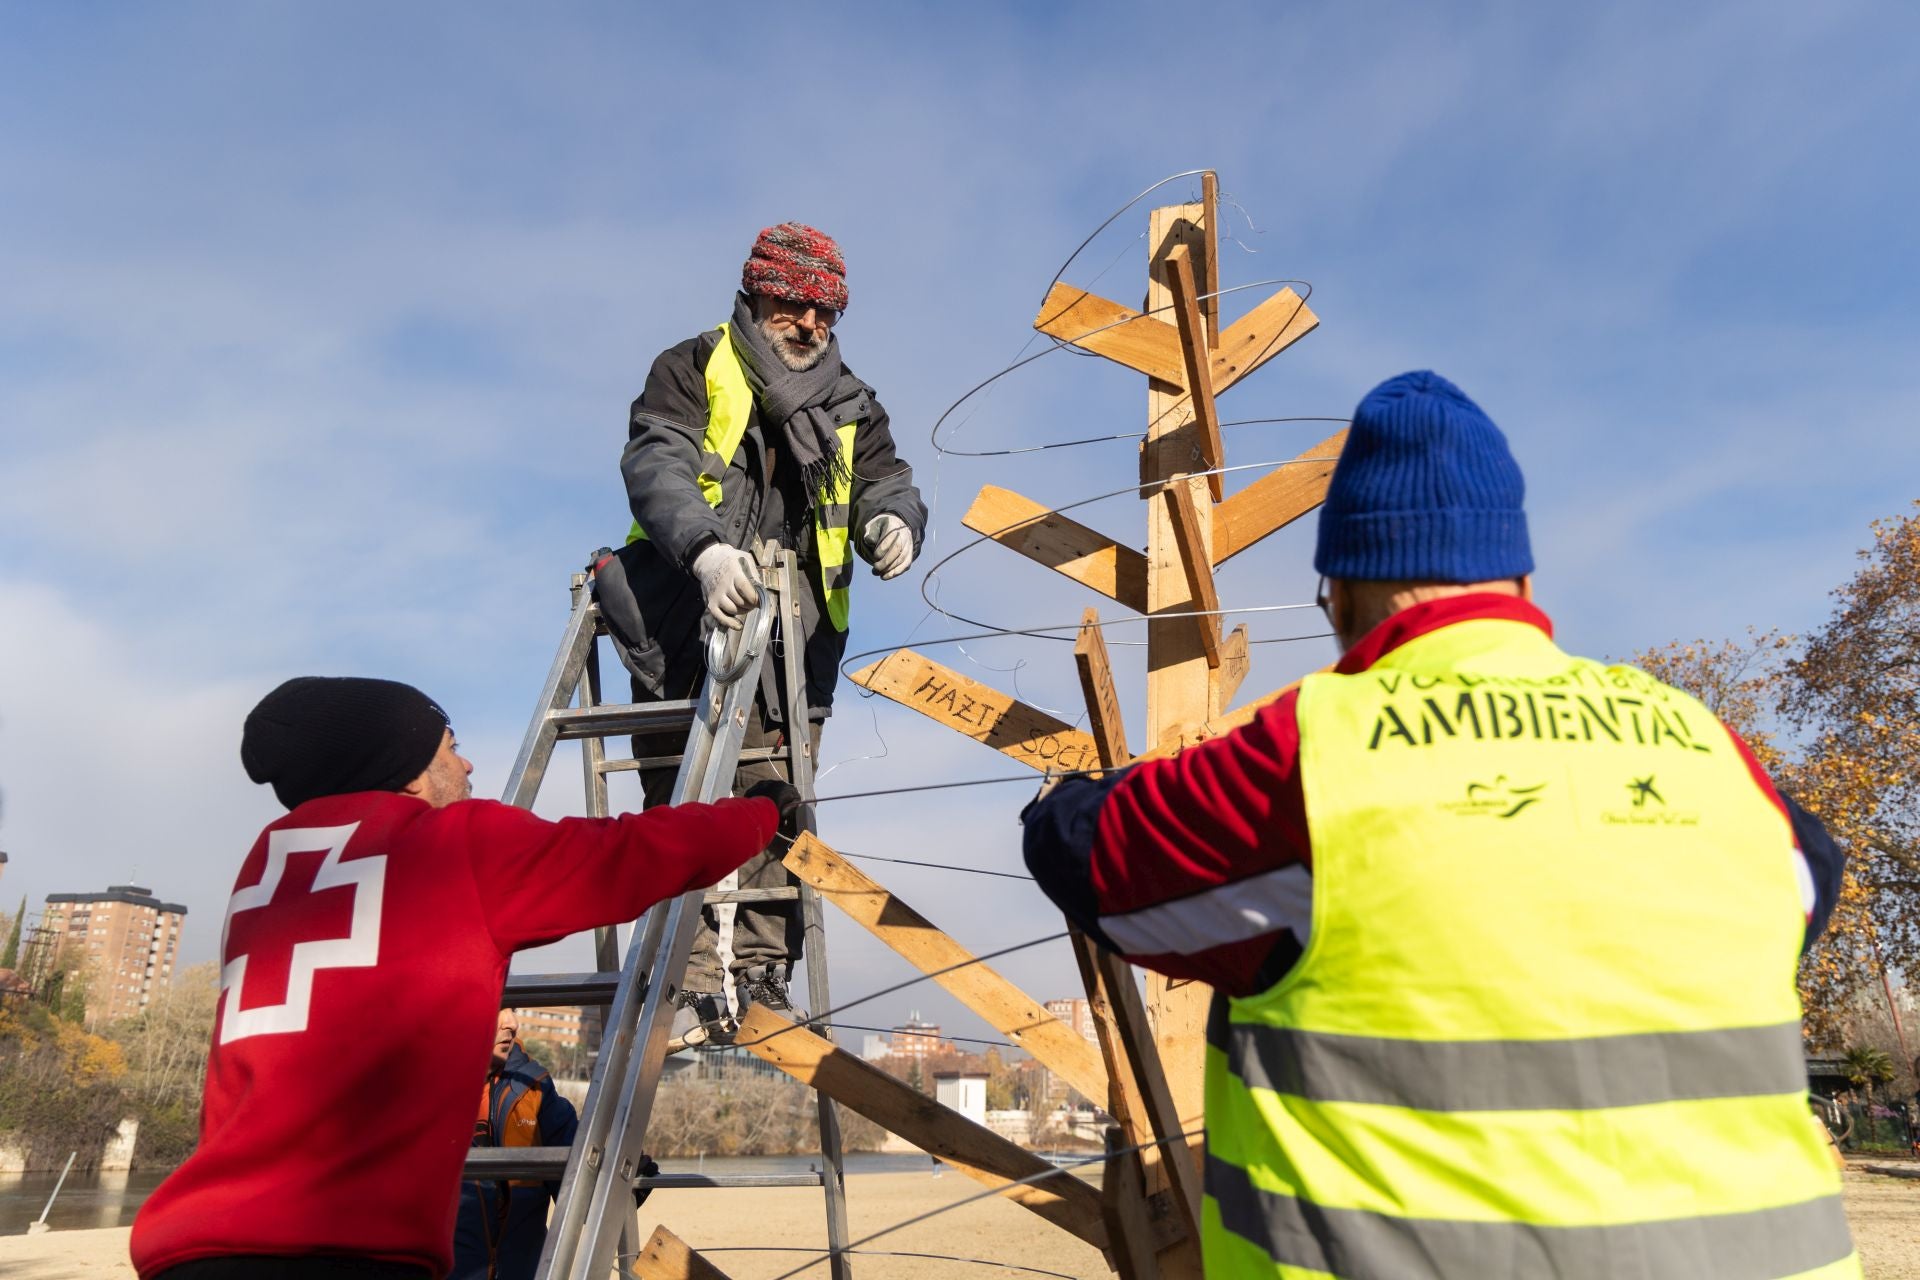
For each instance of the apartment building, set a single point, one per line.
(917, 1040)
(557, 1025)
(129, 938)
(1076, 1013)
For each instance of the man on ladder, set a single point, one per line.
(754, 431)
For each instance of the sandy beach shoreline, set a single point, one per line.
(762, 1234)
(753, 1234)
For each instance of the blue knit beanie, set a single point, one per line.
(1425, 491)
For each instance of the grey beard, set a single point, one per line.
(798, 356)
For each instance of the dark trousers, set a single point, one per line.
(763, 932)
(315, 1267)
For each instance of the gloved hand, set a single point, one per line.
(892, 544)
(649, 1168)
(729, 583)
(786, 797)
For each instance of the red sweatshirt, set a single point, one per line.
(364, 951)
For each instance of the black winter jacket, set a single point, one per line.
(661, 466)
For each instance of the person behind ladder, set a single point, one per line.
(361, 967)
(1503, 939)
(753, 430)
(503, 1224)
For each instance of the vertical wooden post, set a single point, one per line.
(1180, 690)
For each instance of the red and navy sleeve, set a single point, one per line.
(1196, 865)
(1820, 865)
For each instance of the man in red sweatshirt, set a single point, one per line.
(380, 914)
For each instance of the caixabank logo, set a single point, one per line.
(1501, 798)
(1647, 807)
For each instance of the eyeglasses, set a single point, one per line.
(786, 314)
(1324, 600)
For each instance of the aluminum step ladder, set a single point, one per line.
(594, 1221)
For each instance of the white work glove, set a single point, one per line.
(892, 544)
(729, 583)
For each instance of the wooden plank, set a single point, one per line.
(1090, 558)
(1193, 351)
(1199, 570)
(1125, 1102)
(1210, 282)
(983, 713)
(1259, 336)
(1192, 735)
(667, 1257)
(1177, 667)
(1276, 499)
(1008, 1009)
(1096, 682)
(897, 1107)
(1124, 1205)
(1235, 662)
(1151, 1095)
(1180, 689)
(1143, 343)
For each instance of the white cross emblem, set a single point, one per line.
(361, 946)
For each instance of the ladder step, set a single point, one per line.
(786, 894)
(488, 1163)
(524, 991)
(613, 718)
(673, 762)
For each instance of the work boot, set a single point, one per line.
(701, 1020)
(763, 984)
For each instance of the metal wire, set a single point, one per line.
(1057, 1170)
(870, 1253)
(1071, 344)
(932, 574)
(970, 782)
(924, 1035)
(938, 866)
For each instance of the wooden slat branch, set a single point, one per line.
(983, 713)
(1235, 662)
(1145, 344)
(1210, 283)
(1259, 336)
(1199, 368)
(1275, 500)
(1088, 557)
(1008, 1009)
(1192, 546)
(666, 1256)
(1103, 698)
(898, 1107)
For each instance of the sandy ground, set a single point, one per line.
(781, 1216)
(1884, 1211)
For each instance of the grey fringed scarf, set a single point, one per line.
(807, 406)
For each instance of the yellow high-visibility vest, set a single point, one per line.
(729, 410)
(1545, 1023)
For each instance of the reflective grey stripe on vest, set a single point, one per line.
(714, 465)
(833, 515)
(838, 577)
(1519, 1075)
(1762, 1245)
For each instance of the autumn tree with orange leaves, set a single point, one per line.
(1836, 721)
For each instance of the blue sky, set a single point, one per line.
(318, 325)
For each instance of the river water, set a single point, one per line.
(111, 1199)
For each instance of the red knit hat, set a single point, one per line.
(795, 262)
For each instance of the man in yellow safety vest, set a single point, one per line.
(753, 431)
(1504, 940)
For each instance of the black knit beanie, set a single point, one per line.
(328, 735)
